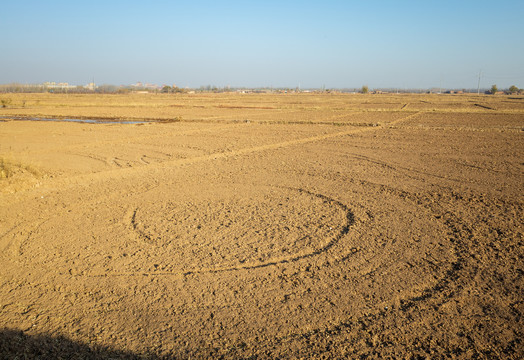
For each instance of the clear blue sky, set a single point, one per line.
(405, 44)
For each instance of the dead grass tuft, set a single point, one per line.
(5, 169)
(8, 168)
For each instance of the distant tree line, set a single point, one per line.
(512, 90)
(166, 89)
(23, 88)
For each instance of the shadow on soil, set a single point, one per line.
(14, 344)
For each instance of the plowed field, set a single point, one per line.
(262, 226)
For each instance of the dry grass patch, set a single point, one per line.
(9, 168)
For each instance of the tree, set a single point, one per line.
(364, 89)
(513, 89)
(494, 89)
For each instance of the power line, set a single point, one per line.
(504, 77)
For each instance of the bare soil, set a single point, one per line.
(267, 226)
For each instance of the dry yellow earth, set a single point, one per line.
(262, 226)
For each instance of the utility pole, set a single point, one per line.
(478, 84)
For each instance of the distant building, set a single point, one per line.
(61, 86)
(91, 86)
(139, 85)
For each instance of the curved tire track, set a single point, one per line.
(350, 220)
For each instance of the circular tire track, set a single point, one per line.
(333, 227)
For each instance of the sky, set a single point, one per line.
(285, 43)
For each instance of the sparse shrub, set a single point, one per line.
(364, 89)
(513, 89)
(5, 169)
(494, 89)
(5, 102)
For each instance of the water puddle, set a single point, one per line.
(88, 121)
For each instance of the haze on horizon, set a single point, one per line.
(336, 44)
